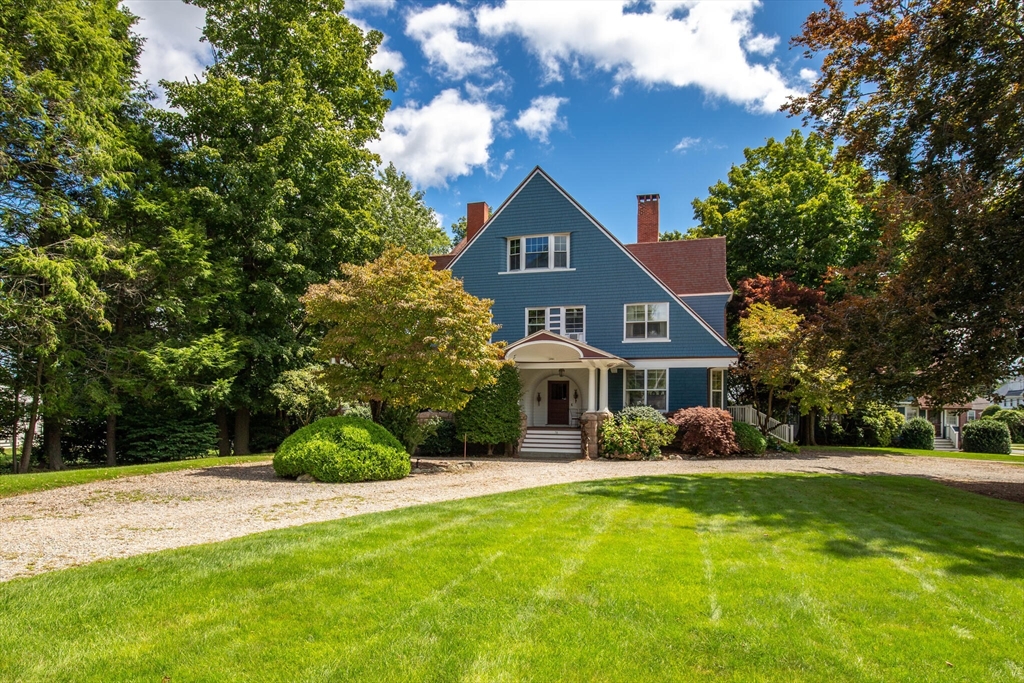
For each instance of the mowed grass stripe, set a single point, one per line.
(815, 578)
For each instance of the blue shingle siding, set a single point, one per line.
(711, 308)
(604, 280)
(687, 387)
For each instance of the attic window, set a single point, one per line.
(538, 252)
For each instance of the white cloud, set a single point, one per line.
(761, 44)
(677, 43)
(808, 75)
(172, 51)
(386, 59)
(444, 139)
(541, 117)
(436, 30)
(685, 144)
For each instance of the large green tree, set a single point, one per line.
(273, 144)
(403, 218)
(927, 94)
(790, 208)
(66, 70)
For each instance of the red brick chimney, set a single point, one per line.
(477, 214)
(647, 218)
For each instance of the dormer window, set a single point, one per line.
(538, 252)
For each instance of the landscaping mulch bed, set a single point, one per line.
(1006, 490)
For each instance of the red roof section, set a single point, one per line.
(686, 266)
(543, 335)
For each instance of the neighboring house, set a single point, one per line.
(1011, 394)
(593, 324)
(948, 420)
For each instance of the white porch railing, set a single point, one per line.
(752, 416)
(953, 434)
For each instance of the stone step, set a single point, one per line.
(944, 445)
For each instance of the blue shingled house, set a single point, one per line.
(593, 324)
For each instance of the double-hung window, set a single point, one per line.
(538, 252)
(718, 388)
(647, 388)
(646, 321)
(569, 321)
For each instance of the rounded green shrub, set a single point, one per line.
(1014, 420)
(991, 410)
(635, 440)
(749, 438)
(342, 449)
(918, 433)
(987, 436)
(639, 413)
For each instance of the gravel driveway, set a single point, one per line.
(75, 525)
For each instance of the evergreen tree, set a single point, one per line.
(492, 414)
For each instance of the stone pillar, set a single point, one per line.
(604, 391)
(590, 428)
(591, 390)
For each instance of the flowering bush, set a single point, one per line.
(705, 431)
(635, 440)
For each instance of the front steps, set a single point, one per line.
(547, 441)
(942, 444)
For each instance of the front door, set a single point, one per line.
(558, 403)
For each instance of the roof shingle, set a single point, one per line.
(686, 266)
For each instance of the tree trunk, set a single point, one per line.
(376, 408)
(51, 442)
(810, 432)
(14, 429)
(111, 440)
(223, 437)
(242, 431)
(33, 419)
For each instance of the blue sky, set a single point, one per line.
(613, 99)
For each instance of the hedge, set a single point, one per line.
(987, 436)
(342, 449)
(635, 440)
(918, 433)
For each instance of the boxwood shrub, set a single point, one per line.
(1014, 420)
(987, 436)
(342, 449)
(918, 433)
(749, 438)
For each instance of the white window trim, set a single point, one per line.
(551, 253)
(711, 391)
(547, 315)
(625, 391)
(645, 340)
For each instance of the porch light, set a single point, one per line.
(539, 399)
(561, 372)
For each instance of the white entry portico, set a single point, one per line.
(562, 378)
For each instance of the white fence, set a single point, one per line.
(952, 433)
(752, 416)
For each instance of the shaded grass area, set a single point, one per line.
(738, 578)
(995, 457)
(13, 484)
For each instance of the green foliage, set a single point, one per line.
(458, 229)
(303, 395)
(749, 438)
(635, 413)
(986, 436)
(637, 439)
(405, 425)
(356, 410)
(492, 415)
(442, 441)
(159, 440)
(705, 432)
(671, 236)
(403, 334)
(918, 433)
(991, 410)
(403, 217)
(1014, 421)
(880, 423)
(342, 449)
(774, 443)
(791, 207)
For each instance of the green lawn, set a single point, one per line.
(995, 457)
(13, 484)
(740, 578)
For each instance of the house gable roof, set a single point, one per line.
(538, 171)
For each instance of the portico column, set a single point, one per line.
(604, 390)
(592, 390)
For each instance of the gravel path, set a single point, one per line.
(75, 525)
